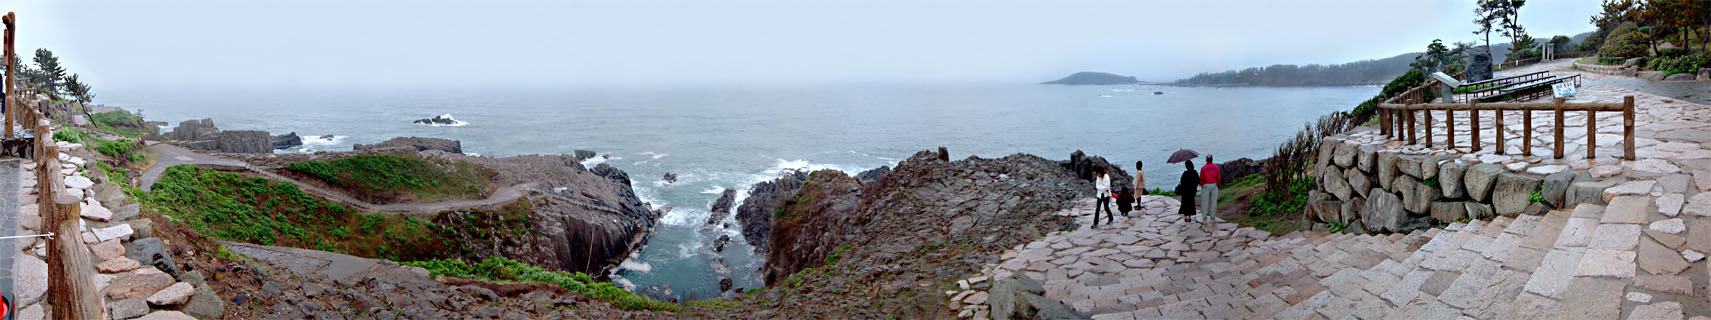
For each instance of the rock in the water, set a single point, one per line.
(722, 207)
(725, 284)
(1479, 179)
(287, 141)
(1512, 192)
(584, 154)
(669, 177)
(1450, 179)
(414, 144)
(444, 120)
(245, 141)
(1383, 212)
(720, 243)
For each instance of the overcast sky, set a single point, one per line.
(190, 44)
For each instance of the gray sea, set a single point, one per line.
(732, 137)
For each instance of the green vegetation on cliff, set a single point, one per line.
(387, 178)
(233, 207)
(498, 269)
(120, 122)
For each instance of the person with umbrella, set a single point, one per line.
(1190, 180)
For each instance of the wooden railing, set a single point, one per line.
(70, 292)
(1398, 117)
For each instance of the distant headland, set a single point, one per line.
(1094, 78)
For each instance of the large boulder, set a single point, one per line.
(1336, 184)
(1358, 181)
(1345, 155)
(1323, 206)
(874, 174)
(1479, 68)
(1512, 192)
(1327, 151)
(1386, 169)
(1410, 165)
(1448, 212)
(1019, 297)
(1417, 197)
(1382, 212)
(1588, 191)
(1351, 210)
(1450, 179)
(1478, 180)
(414, 144)
(1679, 77)
(1555, 188)
(1479, 211)
(1367, 159)
(1704, 74)
(1652, 75)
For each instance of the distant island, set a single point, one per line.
(1093, 78)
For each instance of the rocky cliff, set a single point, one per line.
(582, 220)
(875, 244)
(203, 135)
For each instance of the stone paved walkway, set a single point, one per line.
(1639, 255)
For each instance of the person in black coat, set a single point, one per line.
(1187, 188)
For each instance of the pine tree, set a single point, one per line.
(78, 89)
(52, 74)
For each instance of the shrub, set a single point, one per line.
(1624, 42)
(1681, 64)
(69, 134)
(502, 269)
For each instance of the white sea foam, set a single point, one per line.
(654, 155)
(636, 266)
(313, 143)
(716, 189)
(593, 161)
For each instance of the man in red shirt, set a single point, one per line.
(1209, 189)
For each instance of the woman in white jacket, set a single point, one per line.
(1102, 190)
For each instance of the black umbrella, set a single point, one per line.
(1183, 155)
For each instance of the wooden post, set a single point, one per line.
(1527, 132)
(1411, 136)
(1628, 127)
(69, 268)
(1449, 129)
(1591, 134)
(11, 22)
(1428, 123)
(1473, 120)
(1558, 129)
(1499, 130)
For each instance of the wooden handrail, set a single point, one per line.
(1557, 106)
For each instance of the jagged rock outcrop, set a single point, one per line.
(874, 174)
(757, 211)
(444, 119)
(286, 141)
(583, 220)
(1236, 169)
(928, 220)
(414, 144)
(722, 207)
(203, 135)
(584, 154)
(1083, 164)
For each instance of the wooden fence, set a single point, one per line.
(1402, 117)
(70, 293)
(1516, 63)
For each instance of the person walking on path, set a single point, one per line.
(1186, 189)
(1140, 183)
(1209, 190)
(1102, 190)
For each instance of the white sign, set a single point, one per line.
(1563, 89)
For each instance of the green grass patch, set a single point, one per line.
(1161, 192)
(234, 207)
(386, 178)
(507, 270)
(1277, 212)
(72, 135)
(119, 122)
(130, 150)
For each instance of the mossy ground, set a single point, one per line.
(233, 207)
(119, 122)
(398, 178)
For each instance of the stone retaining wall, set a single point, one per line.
(1620, 70)
(1372, 188)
